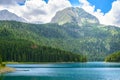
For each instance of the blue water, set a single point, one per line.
(65, 71)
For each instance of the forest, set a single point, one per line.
(95, 41)
(26, 51)
(114, 57)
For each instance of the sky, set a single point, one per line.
(107, 11)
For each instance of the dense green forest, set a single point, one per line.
(115, 57)
(0, 59)
(26, 51)
(93, 40)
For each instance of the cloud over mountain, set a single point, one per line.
(40, 11)
(110, 18)
(36, 10)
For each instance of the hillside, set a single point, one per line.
(26, 51)
(114, 57)
(93, 40)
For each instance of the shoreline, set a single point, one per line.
(38, 62)
(6, 70)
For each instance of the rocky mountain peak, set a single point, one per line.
(74, 15)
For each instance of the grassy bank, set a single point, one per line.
(6, 69)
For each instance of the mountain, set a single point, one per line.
(80, 34)
(93, 40)
(6, 15)
(74, 15)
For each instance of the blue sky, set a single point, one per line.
(103, 5)
(46, 1)
(75, 2)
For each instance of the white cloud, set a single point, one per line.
(38, 10)
(110, 18)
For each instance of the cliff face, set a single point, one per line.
(74, 15)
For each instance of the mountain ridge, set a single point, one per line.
(94, 40)
(7, 15)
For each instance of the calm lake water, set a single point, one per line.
(65, 71)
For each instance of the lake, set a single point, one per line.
(65, 71)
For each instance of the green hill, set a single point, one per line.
(115, 57)
(92, 40)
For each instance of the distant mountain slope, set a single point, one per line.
(93, 40)
(6, 15)
(74, 15)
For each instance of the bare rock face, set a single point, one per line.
(74, 15)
